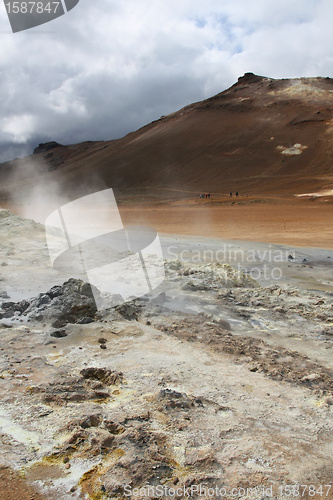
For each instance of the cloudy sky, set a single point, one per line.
(108, 67)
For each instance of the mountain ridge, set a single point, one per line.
(261, 135)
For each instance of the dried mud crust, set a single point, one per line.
(92, 385)
(283, 302)
(162, 435)
(167, 445)
(141, 448)
(276, 362)
(176, 399)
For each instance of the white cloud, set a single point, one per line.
(108, 67)
(18, 128)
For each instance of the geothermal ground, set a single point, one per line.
(221, 379)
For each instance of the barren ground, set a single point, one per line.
(286, 220)
(217, 380)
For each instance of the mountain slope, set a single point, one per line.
(260, 136)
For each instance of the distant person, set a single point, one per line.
(208, 195)
(230, 194)
(236, 193)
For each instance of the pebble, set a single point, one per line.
(311, 378)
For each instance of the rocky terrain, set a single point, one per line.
(216, 381)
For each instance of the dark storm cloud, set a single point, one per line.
(107, 68)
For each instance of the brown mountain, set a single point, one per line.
(260, 136)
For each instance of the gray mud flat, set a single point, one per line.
(217, 386)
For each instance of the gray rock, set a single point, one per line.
(71, 302)
(130, 310)
(175, 400)
(195, 286)
(85, 321)
(58, 334)
(312, 377)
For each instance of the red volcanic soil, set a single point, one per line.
(14, 487)
(285, 220)
(267, 139)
